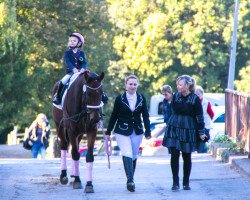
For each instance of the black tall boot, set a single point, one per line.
(174, 162)
(187, 165)
(58, 96)
(134, 166)
(176, 184)
(128, 166)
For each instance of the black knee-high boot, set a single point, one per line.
(128, 167)
(134, 166)
(187, 165)
(175, 154)
(58, 96)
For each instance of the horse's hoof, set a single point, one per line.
(71, 180)
(64, 180)
(77, 185)
(89, 189)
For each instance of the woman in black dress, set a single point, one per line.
(184, 125)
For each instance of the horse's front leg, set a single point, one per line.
(89, 162)
(75, 162)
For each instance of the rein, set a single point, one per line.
(106, 142)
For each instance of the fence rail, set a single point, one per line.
(16, 138)
(238, 118)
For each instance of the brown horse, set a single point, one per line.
(80, 114)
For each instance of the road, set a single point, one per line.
(38, 179)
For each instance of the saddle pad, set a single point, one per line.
(72, 79)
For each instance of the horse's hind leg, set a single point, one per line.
(64, 145)
(57, 116)
(63, 177)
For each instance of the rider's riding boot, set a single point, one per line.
(58, 96)
(128, 166)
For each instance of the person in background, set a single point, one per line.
(129, 110)
(39, 132)
(168, 95)
(182, 129)
(208, 116)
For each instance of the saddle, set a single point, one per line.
(67, 86)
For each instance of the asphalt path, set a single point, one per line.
(39, 179)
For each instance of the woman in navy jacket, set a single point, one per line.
(130, 109)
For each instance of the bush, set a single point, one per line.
(234, 147)
(221, 139)
(226, 140)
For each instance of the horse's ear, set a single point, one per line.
(101, 76)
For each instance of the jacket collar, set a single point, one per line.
(71, 52)
(138, 101)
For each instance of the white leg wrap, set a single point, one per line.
(76, 163)
(63, 159)
(89, 166)
(72, 172)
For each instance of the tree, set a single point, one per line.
(160, 40)
(13, 94)
(39, 33)
(243, 56)
(242, 85)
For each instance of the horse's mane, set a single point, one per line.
(81, 77)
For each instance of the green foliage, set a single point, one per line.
(221, 138)
(242, 85)
(160, 40)
(155, 40)
(34, 35)
(13, 93)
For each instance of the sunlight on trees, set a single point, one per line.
(155, 40)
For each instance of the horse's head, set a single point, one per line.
(92, 95)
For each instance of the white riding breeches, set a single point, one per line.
(129, 145)
(66, 78)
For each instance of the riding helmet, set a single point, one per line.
(80, 37)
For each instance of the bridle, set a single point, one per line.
(90, 108)
(84, 89)
(87, 109)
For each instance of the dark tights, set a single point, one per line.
(187, 165)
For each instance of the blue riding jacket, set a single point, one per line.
(74, 60)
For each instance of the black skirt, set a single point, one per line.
(181, 133)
